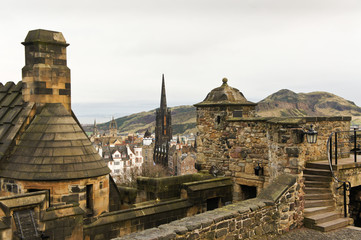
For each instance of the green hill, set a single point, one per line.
(288, 103)
(283, 103)
(183, 121)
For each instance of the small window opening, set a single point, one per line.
(248, 192)
(237, 113)
(218, 120)
(213, 203)
(89, 196)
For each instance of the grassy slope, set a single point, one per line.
(282, 103)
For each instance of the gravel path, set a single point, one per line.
(348, 233)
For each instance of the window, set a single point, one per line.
(218, 119)
(11, 186)
(116, 163)
(248, 192)
(89, 196)
(213, 203)
(237, 113)
(116, 155)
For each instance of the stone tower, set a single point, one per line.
(113, 128)
(163, 130)
(95, 129)
(220, 106)
(46, 146)
(46, 77)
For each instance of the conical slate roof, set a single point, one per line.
(224, 95)
(53, 147)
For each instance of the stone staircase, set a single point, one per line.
(320, 206)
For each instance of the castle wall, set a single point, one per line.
(196, 197)
(59, 222)
(278, 209)
(66, 191)
(236, 146)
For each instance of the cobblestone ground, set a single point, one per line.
(349, 233)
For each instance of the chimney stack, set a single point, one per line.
(46, 77)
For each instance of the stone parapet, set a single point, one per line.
(279, 210)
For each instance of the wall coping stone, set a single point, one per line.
(269, 194)
(290, 120)
(208, 184)
(280, 185)
(123, 215)
(22, 200)
(61, 212)
(5, 223)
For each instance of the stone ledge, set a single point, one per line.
(123, 215)
(290, 120)
(61, 212)
(266, 198)
(276, 188)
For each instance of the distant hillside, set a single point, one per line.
(183, 121)
(287, 103)
(283, 103)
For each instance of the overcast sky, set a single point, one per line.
(119, 49)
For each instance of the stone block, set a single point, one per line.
(222, 225)
(221, 233)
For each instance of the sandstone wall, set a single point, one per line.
(236, 146)
(65, 192)
(276, 210)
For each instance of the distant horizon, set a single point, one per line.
(105, 111)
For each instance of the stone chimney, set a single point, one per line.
(46, 77)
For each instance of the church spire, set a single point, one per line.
(163, 130)
(163, 98)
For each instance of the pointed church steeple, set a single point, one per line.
(163, 98)
(163, 129)
(113, 129)
(95, 129)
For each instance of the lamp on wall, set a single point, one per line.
(258, 170)
(311, 135)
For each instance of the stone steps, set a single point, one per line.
(319, 211)
(332, 225)
(317, 178)
(320, 196)
(319, 203)
(315, 190)
(317, 184)
(317, 172)
(317, 166)
(321, 218)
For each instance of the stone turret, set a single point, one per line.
(46, 77)
(221, 104)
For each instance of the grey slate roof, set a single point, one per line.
(53, 147)
(13, 112)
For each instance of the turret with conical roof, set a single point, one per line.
(220, 105)
(43, 145)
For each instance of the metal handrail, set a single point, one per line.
(345, 184)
